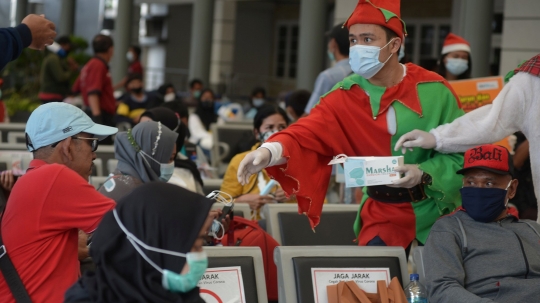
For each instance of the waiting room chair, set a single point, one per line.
(97, 169)
(250, 261)
(294, 264)
(226, 139)
(111, 165)
(97, 181)
(16, 137)
(6, 128)
(292, 229)
(211, 184)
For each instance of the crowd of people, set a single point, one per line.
(463, 198)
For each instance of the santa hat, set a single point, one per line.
(381, 12)
(454, 43)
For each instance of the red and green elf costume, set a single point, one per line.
(354, 119)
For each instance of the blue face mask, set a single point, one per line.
(174, 282)
(401, 52)
(364, 59)
(166, 169)
(331, 56)
(258, 102)
(484, 204)
(456, 66)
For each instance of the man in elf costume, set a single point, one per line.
(364, 115)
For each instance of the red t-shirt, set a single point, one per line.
(40, 226)
(96, 79)
(135, 68)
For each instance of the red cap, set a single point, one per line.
(381, 12)
(454, 43)
(490, 157)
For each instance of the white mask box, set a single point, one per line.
(369, 171)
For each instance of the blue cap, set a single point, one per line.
(415, 277)
(56, 121)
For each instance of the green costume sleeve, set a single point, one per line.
(444, 189)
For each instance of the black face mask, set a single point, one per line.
(137, 90)
(207, 104)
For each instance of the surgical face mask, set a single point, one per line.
(166, 170)
(331, 56)
(197, 94)
(456, 66)
(484, 204)
(169, 97)
(364, 59)
(264, 136)
(258, 102)
(130, 57)
(172, 281)
(137, 90)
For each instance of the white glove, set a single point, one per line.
(413, 176)
(416, 138)
(253, 163)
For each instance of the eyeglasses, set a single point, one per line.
(93, 144)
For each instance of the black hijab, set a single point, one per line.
(161, 215)
(169, 119)
(205, 111)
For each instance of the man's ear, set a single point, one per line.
(395, 45)
(66, 149)
(513, 189)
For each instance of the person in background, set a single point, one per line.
(200, 121)
(257, 100)
(56, 72)
(135, 67)
(34, 32)
(148, 249)
(94, 83)
(135, 101)
(167, 92)
(186, 173)
(194, 94)
(455, 61)
(483, 253)
(338, 52)
(145, 154)
(269, 120)
(525, 199)
(296, 103)
(53, 201)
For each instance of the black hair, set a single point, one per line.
(266, 111)
(195, 81)
(136, 50)
(133, 77)
(441, 68)
(162, 90)
(257, 90)
(102, 43)
(390, 34)
(209, 91)
(340, 34)
(298, 100)
(63, 40)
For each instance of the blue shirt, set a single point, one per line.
(12, 42)
(326, 80)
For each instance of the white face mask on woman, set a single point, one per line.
(456, 66)
(364, 59)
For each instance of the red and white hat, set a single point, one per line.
(454, 43)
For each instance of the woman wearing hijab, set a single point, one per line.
(145, 154)
(200, 121)
(148, 249)
(186, 174)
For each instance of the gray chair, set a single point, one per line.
(16, 137)
(290, 228)
(13, 146)
(97, 181)
(97, 169)
(211, 184)
(294, 266)
(418, 257)
(226, 139)
(251, 262)
(6, 128)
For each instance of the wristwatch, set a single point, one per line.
(426, 179)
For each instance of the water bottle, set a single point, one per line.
(415, 292)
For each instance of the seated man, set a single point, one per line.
(481, 253)
(51, 203)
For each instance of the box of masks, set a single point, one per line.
(368, 171)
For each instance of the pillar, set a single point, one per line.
(223, 45)
(473, 20)
(311, 42)
(67, 18)
(122, 35)
(343, 10)
(21, 10)
(201, 40)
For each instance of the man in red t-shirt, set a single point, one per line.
(52, 201)
(95, 84)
